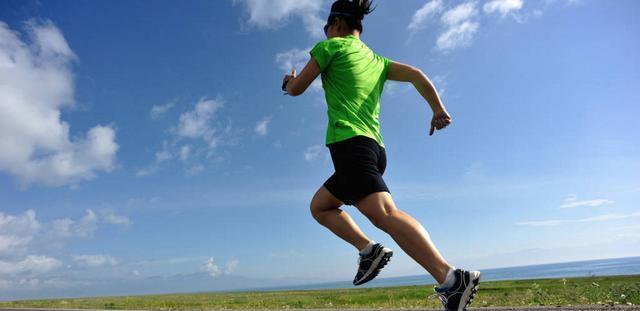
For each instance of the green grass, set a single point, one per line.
(606, 290)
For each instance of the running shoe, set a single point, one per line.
(369, 265)
(460, 295)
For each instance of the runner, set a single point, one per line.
(353, 77)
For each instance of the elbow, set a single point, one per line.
(294, 90)
(416, 74)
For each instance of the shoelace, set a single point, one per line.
(360, 258)
(443, 300)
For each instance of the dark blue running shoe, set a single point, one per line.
(369, 265)
(460, 295)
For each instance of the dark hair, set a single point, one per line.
(352, 11)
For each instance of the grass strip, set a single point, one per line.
(591, 290)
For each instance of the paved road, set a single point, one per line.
(572, 308)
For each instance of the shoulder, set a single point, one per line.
(329, 43)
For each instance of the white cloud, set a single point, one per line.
(296, 59)
(164, 154)
(565, 2)
(542, 7)
(195, 139)
(108, 216)
(83, 228)
(17, 231)
(32, 284)
(94, 260)
(36, 82)
(457, 36)
(8, 242)
(312, 152)
(316, 85)
(459, 14)
(572, 202)
(426, 11)
(460, 27)
(440, 83)
(502, 6)
(160, 156)
(395, 87)
(293, 59)
(185, 151)
(196, 123)
(159, 110)
(211, 267)
(548, 252)
(6, 284)
(593, 203)
(195, 170)
(24, 233)
(30, 265)
(20, 234)
(276, 14)
(146, 171)
(231, 266)
(261, 127)
(604, 217)
(25, 259)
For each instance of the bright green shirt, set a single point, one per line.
(352, 78)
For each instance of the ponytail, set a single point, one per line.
(353, 11)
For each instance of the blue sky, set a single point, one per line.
(146, 147)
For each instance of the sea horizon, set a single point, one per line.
(569, 269)
(591, 267)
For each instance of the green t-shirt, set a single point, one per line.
(352, 78)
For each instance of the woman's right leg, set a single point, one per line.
(406, 231)
(325, 208)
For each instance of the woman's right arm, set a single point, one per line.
(298, 84)
(402, 72)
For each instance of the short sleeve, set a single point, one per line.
(386, 63)
(322, 53)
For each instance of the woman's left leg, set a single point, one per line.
(325, 208)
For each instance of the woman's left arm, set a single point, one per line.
(298, 84)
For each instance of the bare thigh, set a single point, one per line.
(376, 206)
(323, 200)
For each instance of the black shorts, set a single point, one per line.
(359, 163)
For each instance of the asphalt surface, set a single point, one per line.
(544, 308)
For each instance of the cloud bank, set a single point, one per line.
(36, 83)
(277, 13)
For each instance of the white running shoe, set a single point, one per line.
(460, 295)
(369, 265)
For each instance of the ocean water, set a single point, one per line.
(601, 267)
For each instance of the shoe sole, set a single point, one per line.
(382, 258)
(468, 293)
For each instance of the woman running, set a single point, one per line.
(353, 77)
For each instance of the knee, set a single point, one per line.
(383, 220)
(378, 221)
(315, 210)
